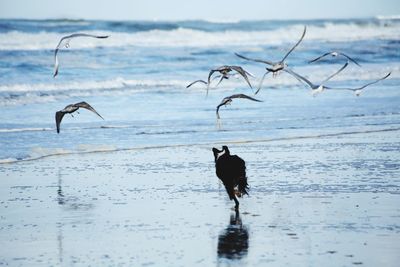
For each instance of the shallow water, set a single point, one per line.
(136, 80)
(145, 207)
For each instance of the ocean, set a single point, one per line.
(136, 79)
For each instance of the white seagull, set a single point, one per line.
(357, 91)
(334, 54)
(316, 88)
(64, 42)
(275, 66)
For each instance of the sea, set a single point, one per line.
(136, 79)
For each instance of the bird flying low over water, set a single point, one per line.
(334, 54)
(316, 88)
(227, 100)
(71, 109)
(64, 42)
(225, 74)
(275, 66)
(231, 170)
(358, 90)
(202, 81)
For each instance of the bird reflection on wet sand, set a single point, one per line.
(233, 242)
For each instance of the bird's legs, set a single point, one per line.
(236, 203)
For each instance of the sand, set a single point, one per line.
(330, 201)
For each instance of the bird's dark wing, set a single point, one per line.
(223, 102)
(362, 87)
(59, 116)
(197, 81)
(245, 97)
(256, 60)
(65, 40)
(87, 106)
(349, 58)
(298, 42)
(299, 77)
(318, 58)
(242, 72)
(261, 82)
(336, 73)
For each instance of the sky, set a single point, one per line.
(218, 10)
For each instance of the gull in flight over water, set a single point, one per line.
(316, 88)
(275, 66)
(64, 42)
(227, 100)
(71, 109)
(202, 81)
(334, 54)
(357, 91)
(225, 74)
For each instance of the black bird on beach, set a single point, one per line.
(275, 66)
(64, 42)
(71, 109)
(231, 170)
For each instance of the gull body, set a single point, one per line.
(227, 100)
(334, 54)
(275, 66)
(357, 91)
(316, 88)
(71, 109)
(225, 73)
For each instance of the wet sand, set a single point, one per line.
(330, 201)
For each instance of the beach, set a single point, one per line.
(139, 188)
(161, 207)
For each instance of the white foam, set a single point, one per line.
(90, 85)
(15, 130)
(183, 37)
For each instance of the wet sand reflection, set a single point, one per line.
(233, 242)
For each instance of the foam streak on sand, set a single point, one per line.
(38, 154)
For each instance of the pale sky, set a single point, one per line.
(200, 9)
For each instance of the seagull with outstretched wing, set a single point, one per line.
(275, 66)
(227, 100)
(71, 109)
(358, 90)
(64, 42)
(225, 74)
(316, 88)
(334, 54)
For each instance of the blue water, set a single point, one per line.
(136, 80)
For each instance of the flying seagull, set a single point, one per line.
(202, 81)
(227, 100)
(358, 90)
(64, 42)
(335, 54)
(225, 74)
(275, 66)
(316, 88)
(71, 109)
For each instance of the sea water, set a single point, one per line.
(136, 79)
